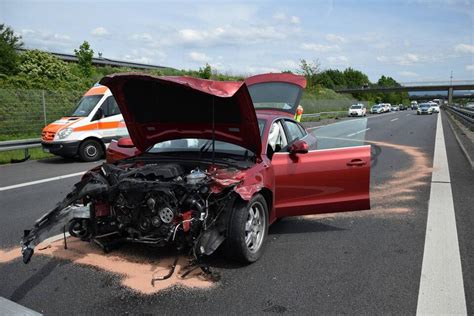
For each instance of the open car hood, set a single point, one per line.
(276, 91)
(157, 109)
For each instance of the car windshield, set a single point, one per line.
(86, 104)
(202, 145)
(424, 106)
(197, 145)
(356, 107)
(376, 107)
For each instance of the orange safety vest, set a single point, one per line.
(299, 113)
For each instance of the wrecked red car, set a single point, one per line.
(208, 164)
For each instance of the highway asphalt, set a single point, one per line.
(365, 262)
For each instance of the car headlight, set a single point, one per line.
(65, 132)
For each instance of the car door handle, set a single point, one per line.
(356, 162)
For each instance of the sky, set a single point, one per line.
(409, 40)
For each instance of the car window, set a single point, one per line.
(294, 131)
(110, 107)
(277, 139)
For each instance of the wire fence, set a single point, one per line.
(24, 113)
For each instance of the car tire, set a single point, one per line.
(90, 150)
(247, 230)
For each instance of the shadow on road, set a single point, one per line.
(62, 161)
(300, 226)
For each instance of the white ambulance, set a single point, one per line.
(87, 131)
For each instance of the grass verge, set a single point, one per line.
(35, 154)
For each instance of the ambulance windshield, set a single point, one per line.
(86, 105)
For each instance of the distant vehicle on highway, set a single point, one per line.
(414, 105)
(470, 106)
(377, 109)
(394, 108)
(434, 108)
(402, 107)
(424, 108)
(357, 110)
(84, 133)
(387, 107)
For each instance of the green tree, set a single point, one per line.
(43, 65)
(310, 71)
(355, 78)
(9, 44)
(325, 80)
(206, 72)
(337, 77)
(392, 97)
(84, 55)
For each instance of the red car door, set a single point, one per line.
(321, 181)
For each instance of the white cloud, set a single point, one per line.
(100, 31)
(135, 59)
(253, 70)
(470, 67)
(408, 59)
(295, 20)
(231, 35)
(288, 64)
(282, 17)
(337, 60)
(333, 38)
(145, 56)
(45, 40)
(142, 37)
(403, 60)
(464, 48)
(199, 57)
(408, 74)
(319, 47)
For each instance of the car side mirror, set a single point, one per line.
(299, 147)
(98, 115)
(125, 142)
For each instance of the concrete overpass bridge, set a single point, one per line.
(435, 86)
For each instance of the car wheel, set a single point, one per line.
(248, 229)
(90, 150)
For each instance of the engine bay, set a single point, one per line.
(182, 204)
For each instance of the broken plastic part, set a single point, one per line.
(167, 276)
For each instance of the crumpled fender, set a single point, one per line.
(51, 222)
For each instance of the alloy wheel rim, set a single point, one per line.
(91, 151)
(255, 227)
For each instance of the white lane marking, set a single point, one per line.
(441, 284)
(364, 130)
(8, 307)
(41, 181)
(352, 119)
(394, 119)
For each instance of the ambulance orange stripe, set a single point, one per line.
(96, 90)
(101, 125)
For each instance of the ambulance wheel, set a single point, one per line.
(90, 150)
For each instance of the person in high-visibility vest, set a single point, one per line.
(299, 113)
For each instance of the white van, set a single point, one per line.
(85, 133)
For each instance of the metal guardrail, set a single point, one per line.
(466, 116)
(316, 115)
(24, 144)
